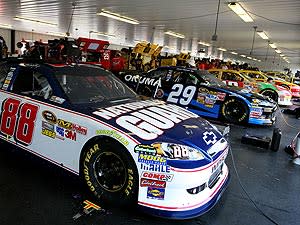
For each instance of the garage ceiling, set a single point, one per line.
(280, 19)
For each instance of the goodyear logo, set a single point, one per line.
(152, 159)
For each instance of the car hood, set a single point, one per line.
(154, 121)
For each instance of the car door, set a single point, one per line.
(182, 87)
(232, 79)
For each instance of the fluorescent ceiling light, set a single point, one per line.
(174, 34)
(117, 16)
(233, 53)
(254, 59)
(238, 9)
(263, 35)
(277, 51)
(203, 43)
(259, 60)
(243, 56)
(222, 49)
(103, 34)
(57, 34)
(3, 25)
(248, 57)
(25, 19)
(282, 55)
(272, 45)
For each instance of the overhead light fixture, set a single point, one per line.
(259, 60)
(272, 45)
(25, 19)
(117, 16)
(233, 53)
(102, 34)
(263, 35)
(278, 51)
(248, 57)
(222, 49)
(3, 25)
(243, 56)
(174, 34)
(57, 34)
(254, 59)
(204, 43)
(240, 11)
(282, 55)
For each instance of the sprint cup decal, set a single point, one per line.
(146, 119)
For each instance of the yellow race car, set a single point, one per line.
(260, 76)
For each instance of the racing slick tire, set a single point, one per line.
(270, 93)
(234, 111)
(110, 173)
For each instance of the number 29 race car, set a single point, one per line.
(202, 93)
(167, 160)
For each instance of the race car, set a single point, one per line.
(204, 94)
(167, 160)
(244, 79)
(260, 76)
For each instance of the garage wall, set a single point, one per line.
(5, 33)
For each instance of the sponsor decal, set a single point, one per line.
(47, 126)
(153, 183)
(159, 94)
(145, 149)
(48, 133)
(147, 123)
(221, 96)
(79, 129)
(49, 116)
(152, 159)
(155, 168)
(209, 137)
(256, 112)
(8, 78)
(65, 124)
(142, 80)
(70, 135)
(57, 99)
(113, 134)
(158, 176)
(156, 193)
(60, 133)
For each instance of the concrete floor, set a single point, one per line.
(34, 193)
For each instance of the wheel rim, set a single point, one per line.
(110, 171)
(234, 111)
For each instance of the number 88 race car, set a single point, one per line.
(80, 117)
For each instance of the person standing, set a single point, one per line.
(3, 48)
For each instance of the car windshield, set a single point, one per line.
(91, 84)
(210, 78)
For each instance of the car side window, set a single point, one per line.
(31, 83)
(191, 79)
(4, 70)
(178, 76)
(216, 73)
(229, 76)
(159, 74)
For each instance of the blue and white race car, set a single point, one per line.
(167, 160)
(202, 93)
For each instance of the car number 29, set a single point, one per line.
(181, 94)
